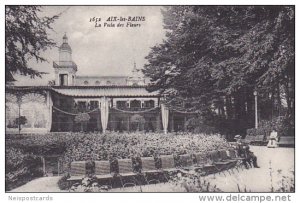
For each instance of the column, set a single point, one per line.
(49, 105)
(172, 122)
(158, 122)
(184, 124)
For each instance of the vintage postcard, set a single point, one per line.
(195, 98)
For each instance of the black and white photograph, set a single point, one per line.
(149, 99)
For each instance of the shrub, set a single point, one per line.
(265, 127)
(193, 183)
(112, 146)
(20, 168)
(62, 183)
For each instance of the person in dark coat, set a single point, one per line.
(243, 150)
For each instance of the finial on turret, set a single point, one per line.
(65, 38)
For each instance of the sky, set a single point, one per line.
(100, 51)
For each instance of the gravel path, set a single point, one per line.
(254, 179)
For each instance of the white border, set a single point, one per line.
(128, 197)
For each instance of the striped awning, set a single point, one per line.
(106, 91)
(90, 91)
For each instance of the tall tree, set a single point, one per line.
(216, 56)
(26, 36)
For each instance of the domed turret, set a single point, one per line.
(65, 51)
(65, 68)
(65, 46)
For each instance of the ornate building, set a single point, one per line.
(87, 103)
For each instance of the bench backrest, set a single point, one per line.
(223, 155)
(148, 163)
(249, 138)
(214, 156)
(78, 168)
(185, 160)
(287, 140)
(125, 166)
(102, 167)
(259, 137)
(232, 153)
(167, 161)
(201, 159)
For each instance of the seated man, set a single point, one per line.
(243, 150)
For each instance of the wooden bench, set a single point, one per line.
(249, 139)
(102, 172)
(149, 169)
(78, 170)
(286, 141)
(259, 139)
(168, 165)
(126, 173)
(204, 164)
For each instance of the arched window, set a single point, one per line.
(97, 83)
(149, 104)
(108, 82)
(85, 82)
(135, 104)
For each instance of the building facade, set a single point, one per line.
(88, 103)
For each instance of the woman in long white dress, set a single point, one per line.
(273, 142)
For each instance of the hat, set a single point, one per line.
(237, 137)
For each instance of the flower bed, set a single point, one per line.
(112, 145)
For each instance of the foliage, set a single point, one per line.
(214, 57)
(22, 120)
(47, 144)
(193, 183)
(109, 146)
(265, 127)
(88, 184)
(113, 145)
(84, 117)
(25, 38)
(286, 183)
(62, 183)
(20, 168)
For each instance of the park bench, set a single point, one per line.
(203, 164)
(78, 170)
(286, 141)
(187, 166)
(219, 164)
(168, 165)
(249, 139)
(103, 173)
(259, 139)
(126, 173)
(186, 162)
(149, 170)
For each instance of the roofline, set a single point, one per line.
(74, 87)
(87, 76)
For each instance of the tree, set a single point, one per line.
(82, 119)
(25, 38)
(215, 57)
(22, 120)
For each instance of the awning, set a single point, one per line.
(106, 91)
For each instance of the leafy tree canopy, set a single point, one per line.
(26, 36)
(218, 55)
